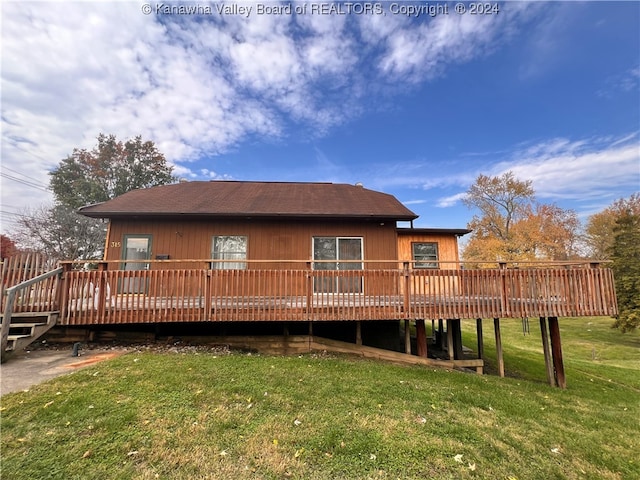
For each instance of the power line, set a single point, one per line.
(16, 145)
(35, 180)
(24, 182)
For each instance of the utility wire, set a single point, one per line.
(24, 182)
(34, 180)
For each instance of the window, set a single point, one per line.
(136, 248)
(229, 247)
(337, 253)
(425, 255)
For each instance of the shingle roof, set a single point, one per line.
(253, 199)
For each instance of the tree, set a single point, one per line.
(110, 169)
(546, 231)
(7, 247)
(500, 200)
(513, 227)
(625, 253)
(599, 231)
(85, 177)
(60, 233)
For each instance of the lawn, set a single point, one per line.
(217, 415)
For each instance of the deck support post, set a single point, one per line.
(358, 332)
(421, 338)
(407, 337)
(456, 334)
(450, 339)
(556, 352)
(499, 357)
(480, 339)
(547, 352)
(440, 335)
(433, 331)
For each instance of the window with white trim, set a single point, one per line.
(229, 247)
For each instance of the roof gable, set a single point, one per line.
(253, 199)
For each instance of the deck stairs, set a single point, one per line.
(26, 328)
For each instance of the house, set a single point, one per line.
(310, 259)
(230, 222)
(325, 227)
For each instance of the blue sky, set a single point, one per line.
(416, 107)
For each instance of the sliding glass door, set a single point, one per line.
(337, 253)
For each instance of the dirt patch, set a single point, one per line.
(94, 359)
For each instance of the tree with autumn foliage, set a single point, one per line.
(8, 247)
(110, 169)
(511, 226)
(599, 231)
(86, 177)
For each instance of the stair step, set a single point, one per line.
(26, 328)
(31, 314)
(17, 337)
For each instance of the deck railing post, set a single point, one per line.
(208, 295)
(407, 290)
(6, 322)
(503, 289)
(63, 292)
(309, 291)
(102, 291)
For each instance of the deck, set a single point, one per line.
(163, 294)
(165, 291)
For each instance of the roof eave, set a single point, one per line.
(434, 231)
(386, 217)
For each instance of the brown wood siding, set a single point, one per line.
(276, 240)
(447, 252)
(447, 248)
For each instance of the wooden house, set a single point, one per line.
(316, 257)
(279, 225)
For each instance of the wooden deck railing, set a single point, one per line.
(22, 267)
(199, 294)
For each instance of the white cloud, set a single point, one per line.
(202, 85)
(580, 169)
(592, 171)
(628, 81)
(451, 200)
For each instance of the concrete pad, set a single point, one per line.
(29, 368)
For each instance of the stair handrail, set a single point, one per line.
(11, 296)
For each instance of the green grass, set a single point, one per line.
(191, 416)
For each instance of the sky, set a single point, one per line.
(414, 99)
